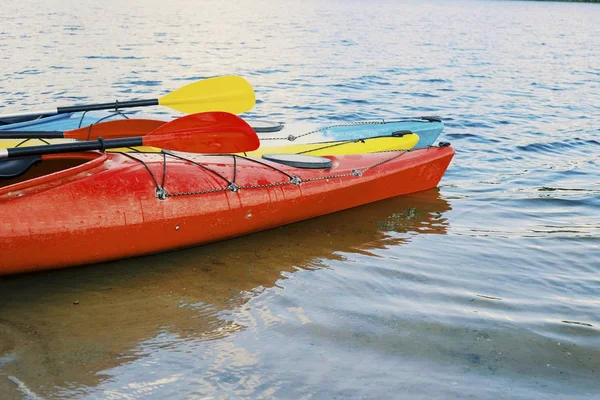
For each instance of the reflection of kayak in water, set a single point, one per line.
(181, 293)
(372, 226)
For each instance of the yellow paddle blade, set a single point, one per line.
(232, 94)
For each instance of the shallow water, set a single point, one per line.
(485, 288)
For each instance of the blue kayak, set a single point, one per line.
(60, 122)
(271, 134)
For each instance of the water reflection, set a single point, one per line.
(60, 328)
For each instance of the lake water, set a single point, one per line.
(486, 288)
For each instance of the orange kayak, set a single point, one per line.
(80, 208)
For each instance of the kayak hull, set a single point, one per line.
(112, 206)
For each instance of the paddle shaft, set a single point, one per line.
(70, 147)
(107, 106)
(31, 134)
(17, 117)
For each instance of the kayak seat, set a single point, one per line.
(431, 118)
(13, 168)
(299, 160)
(265, 126)
(402, 133)
(22, 169)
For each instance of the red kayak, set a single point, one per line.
(80, 208)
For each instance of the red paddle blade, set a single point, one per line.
(208, 132)
(120, 128)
